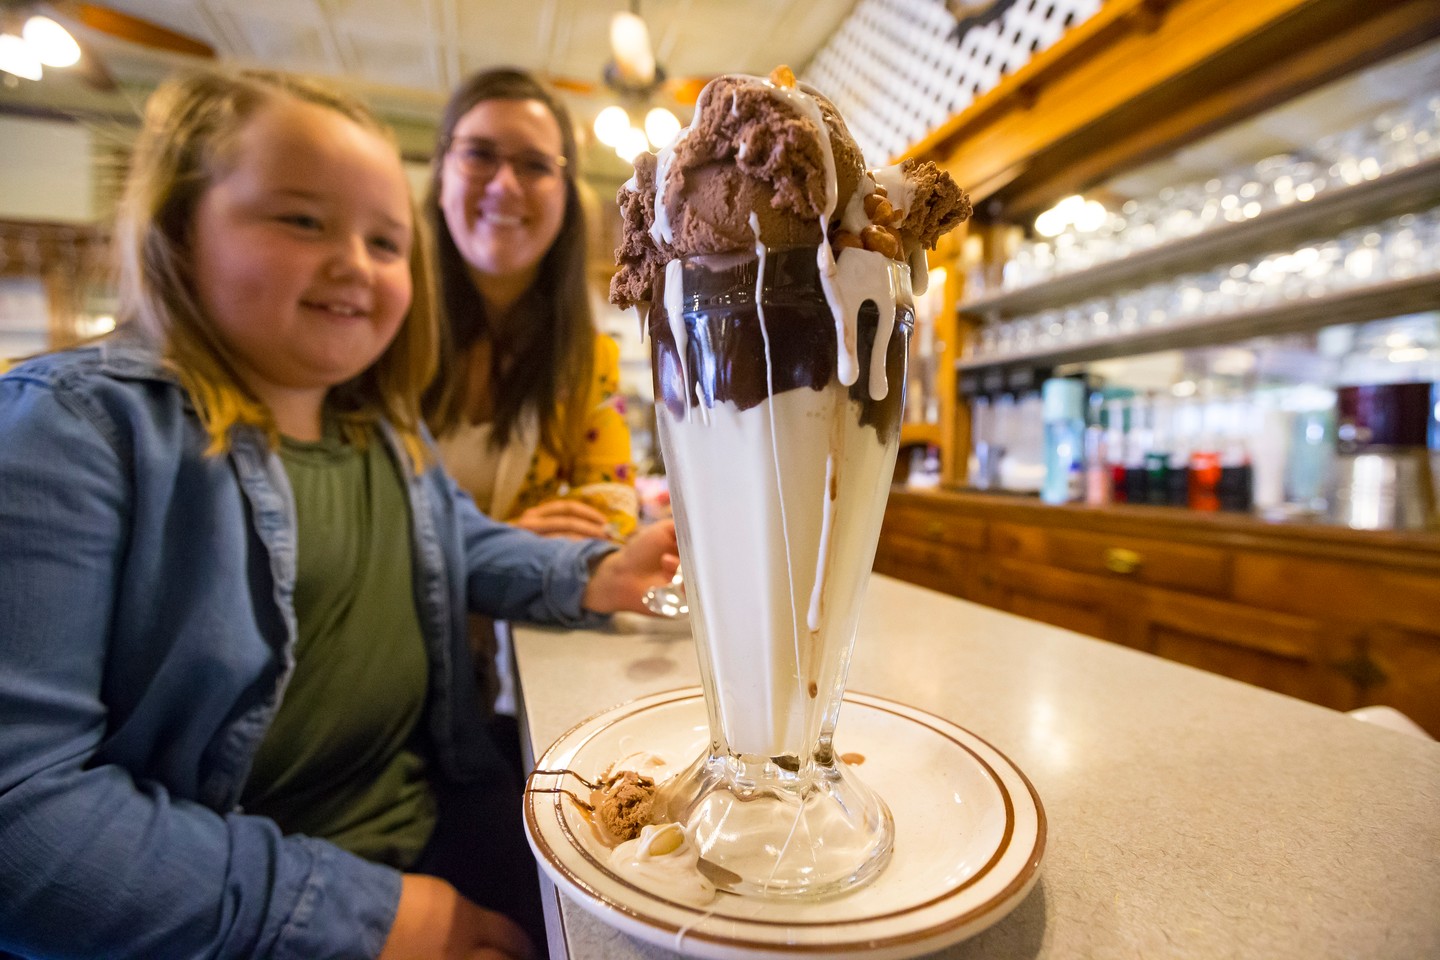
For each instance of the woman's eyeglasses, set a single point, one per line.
(480, 159)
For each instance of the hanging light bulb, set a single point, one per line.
(16, 57)
(631, 144)
(630, 40)
(611, 124)
(51, 43)
(661, 127)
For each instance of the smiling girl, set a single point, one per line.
(234, 700)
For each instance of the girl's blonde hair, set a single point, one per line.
(190, 125)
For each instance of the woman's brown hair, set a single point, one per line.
(189, 127)
(545, 363)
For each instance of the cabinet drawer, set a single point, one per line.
(1085, 604)
(1289, 654)
(935, 565)
(1339, 591)
(935, 526)
(1154, 563)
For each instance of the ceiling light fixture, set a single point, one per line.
(614, 128)
(611, 124)
(51, 42)
(634, 76)
(632, 144)
(1085, 216)
(40, 41)
(661, 127)
(17, 57)
(630, 43)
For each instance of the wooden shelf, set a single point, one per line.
(1328, 214)
(1372, 302)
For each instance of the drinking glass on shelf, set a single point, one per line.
(988, 341)
(1005, 335)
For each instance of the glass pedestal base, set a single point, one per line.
(769, 827)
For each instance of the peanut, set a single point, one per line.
(881, 240)
(782, 76)
(878, 209)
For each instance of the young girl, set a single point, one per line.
(235, 710)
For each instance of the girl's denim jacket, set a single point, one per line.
(146, 636)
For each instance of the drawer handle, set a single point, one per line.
(1122, 561)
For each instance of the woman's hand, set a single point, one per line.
(564, 518)
(648, 559)
(434, 922)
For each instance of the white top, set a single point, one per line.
(493, 477)
(468, 458)
(1189, 815)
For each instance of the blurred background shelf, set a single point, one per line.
(1330, 212)
(1356, 305)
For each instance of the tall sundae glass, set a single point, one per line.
(778, 277)
(778, 477)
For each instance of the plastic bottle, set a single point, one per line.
(1234, 489)
(1184, 437)
(1063, 400)
(983, 459)
(1205, 460)
(1003, 439)
(1269, 454)
(1137, 445)
(1023, 469)
(1115, 448)
(1157, 458)
(1097, 469)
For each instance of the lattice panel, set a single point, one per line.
(896, 73)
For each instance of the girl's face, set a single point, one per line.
(502, 188)
(301, 250)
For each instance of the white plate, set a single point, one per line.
(969, 835)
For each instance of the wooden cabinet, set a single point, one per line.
(1339, 617)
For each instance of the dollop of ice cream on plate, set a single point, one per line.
(662, 860)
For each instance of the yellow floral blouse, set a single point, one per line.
(600, 474)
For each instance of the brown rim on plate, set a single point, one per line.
(1024, 878)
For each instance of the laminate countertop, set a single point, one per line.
(1189, 816)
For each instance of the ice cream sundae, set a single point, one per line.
(777, 275)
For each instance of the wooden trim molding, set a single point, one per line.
(1143, 77)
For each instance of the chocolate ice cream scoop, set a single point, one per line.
(620, 803)
(771, 162)
(623, 806)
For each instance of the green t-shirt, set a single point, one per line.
(341, 760)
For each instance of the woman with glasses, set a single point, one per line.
(525, 408)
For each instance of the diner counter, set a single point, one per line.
(1189, 815)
